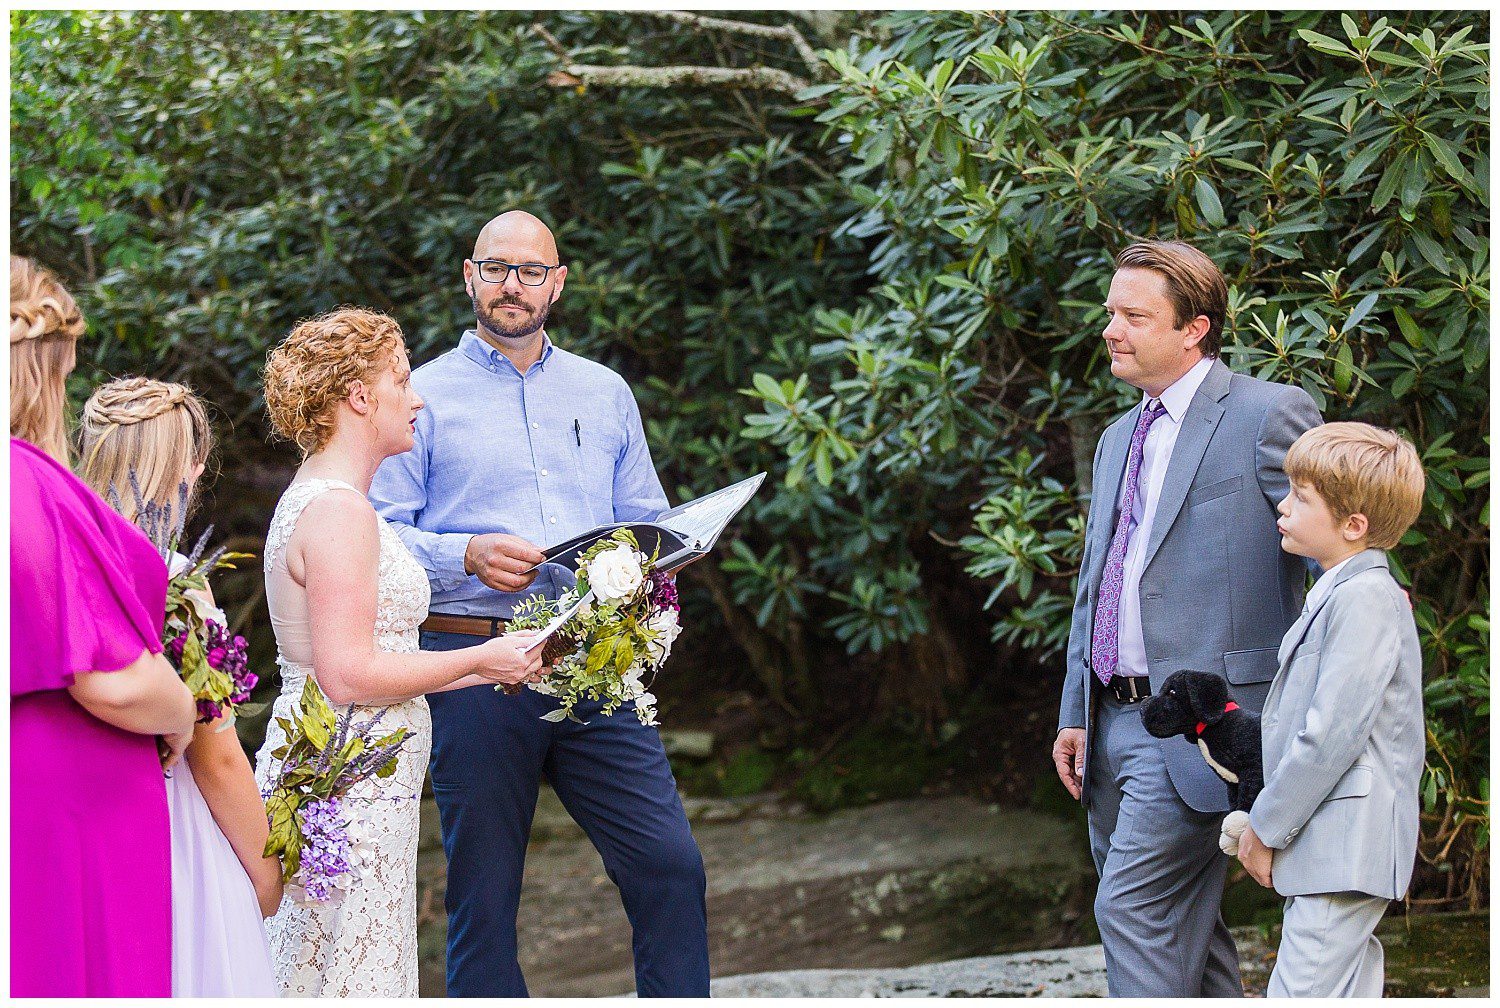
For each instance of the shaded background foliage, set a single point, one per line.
(875, 273)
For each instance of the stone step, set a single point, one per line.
(1432, 955)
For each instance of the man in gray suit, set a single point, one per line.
(1335, 830)
(1182, 569)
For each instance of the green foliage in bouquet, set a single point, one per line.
(216, 672)
(324, 756)
(602, 652)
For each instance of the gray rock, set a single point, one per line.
(1075, 972)
(1069, 972)
(688, 743)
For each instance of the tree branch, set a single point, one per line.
(764, 78)
(786, 33)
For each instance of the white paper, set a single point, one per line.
(700, 521)
(557, 622)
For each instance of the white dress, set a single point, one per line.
(362, 941)
(218, 938)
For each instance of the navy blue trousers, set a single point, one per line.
(489, 752)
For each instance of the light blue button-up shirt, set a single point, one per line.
(544, 456)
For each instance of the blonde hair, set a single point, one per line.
(311, 371)
(156, 430)
(1360, 469)
(45, 325)
(1195, 286)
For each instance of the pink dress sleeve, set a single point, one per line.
(88, 590)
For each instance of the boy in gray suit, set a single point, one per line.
(1335, 830)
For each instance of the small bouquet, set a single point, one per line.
(622, 631)
(214, 664)
(324, 756)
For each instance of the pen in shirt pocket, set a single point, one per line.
(577, 433)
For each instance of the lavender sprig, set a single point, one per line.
(321, 765)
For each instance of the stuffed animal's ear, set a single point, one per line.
(1208, 696)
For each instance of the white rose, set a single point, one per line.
(666, 627)
(615, 574)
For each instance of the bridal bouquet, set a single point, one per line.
(323, 757)
(622, 632)
(214, 663)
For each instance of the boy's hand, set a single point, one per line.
(1255, 856)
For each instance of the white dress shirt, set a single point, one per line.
(1323, 585)
(1154, 459)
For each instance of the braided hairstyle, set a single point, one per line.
(157, 430)
(45, 325)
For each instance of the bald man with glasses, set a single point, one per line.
(523, 443)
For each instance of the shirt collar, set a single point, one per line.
(482, 353)
(1179, 396)
(1324, 584)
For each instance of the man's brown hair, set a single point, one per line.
(1360, 469)
(1194, 285)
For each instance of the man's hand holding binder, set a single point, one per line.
(503, 562)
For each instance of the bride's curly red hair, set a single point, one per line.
(310, 372)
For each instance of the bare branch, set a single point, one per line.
(785, 33)
(764, 78)
(551, 40)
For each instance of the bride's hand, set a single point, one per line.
(504, 660)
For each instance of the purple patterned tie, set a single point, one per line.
(1106, 645)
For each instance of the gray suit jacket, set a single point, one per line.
(1217, 592)
(1343, 741)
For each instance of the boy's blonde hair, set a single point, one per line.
(1360, 469)
(155, 429)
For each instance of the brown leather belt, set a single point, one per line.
(474, 626)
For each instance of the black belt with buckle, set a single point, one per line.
(1130, 689)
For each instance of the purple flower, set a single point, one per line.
(216, 657)
(664, 595)
(325, 848)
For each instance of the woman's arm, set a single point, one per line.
(222, 772)
(145, 697)
(336, 550)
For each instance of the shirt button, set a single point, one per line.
(544, 472)
(536, 426)
(553, 519)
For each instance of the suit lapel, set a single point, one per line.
(1357, 565)
(1198, 426)
(1104, 506)
(1112, 468)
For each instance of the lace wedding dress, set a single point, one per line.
(362, 941)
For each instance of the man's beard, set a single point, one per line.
(497, 324)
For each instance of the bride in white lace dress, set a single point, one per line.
(346, 599)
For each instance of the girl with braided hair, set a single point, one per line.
(139, 434)
(90, 862)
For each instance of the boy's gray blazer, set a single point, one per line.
(1217, 592)
(1344, 741)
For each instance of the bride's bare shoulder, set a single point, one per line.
(340, 519)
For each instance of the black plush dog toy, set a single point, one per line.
(1196, 705)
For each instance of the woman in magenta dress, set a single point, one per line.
(90, 869)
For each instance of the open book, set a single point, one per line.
(677, 537)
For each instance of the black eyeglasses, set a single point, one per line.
(498, 271)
